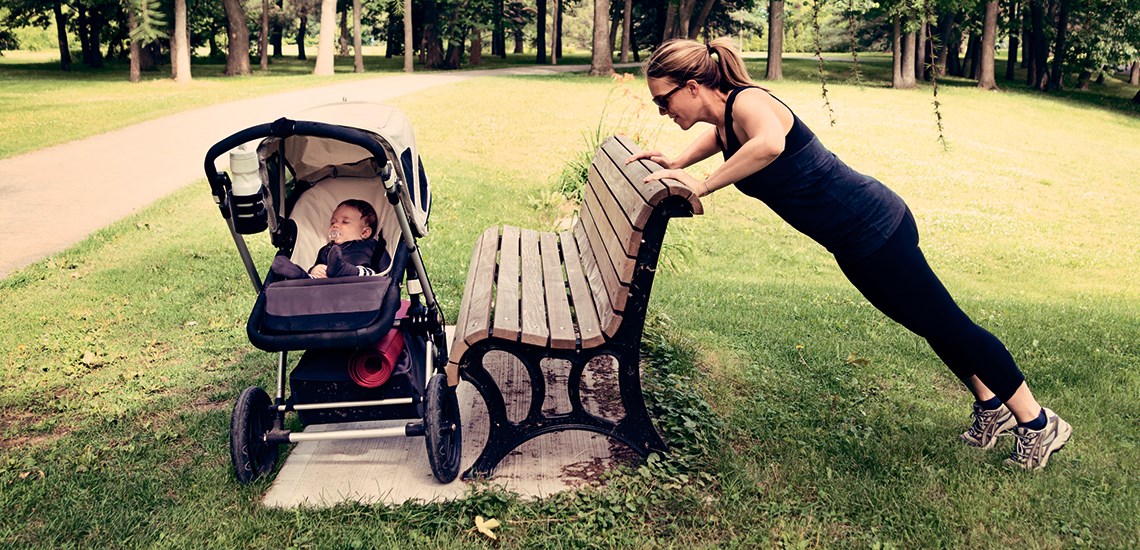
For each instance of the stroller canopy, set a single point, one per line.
(313, 159)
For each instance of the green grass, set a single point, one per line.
(819, 422)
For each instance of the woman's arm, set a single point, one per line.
(700, 149)
(762, 132)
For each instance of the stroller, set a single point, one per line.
(287, 177)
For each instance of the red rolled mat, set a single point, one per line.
(372, 366)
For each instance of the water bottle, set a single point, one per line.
(246, 205)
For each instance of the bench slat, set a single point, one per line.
(559, 319)
(506, 324)
(615, 152)
(475, 310)
(604, 299)
(623, 191)
(585, 310)
(672, 187)
(606, 243)
(534, 323)
(628, 237)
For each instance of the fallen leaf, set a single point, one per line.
(486, 527)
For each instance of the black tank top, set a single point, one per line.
(849, 213)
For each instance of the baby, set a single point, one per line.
(350, 248)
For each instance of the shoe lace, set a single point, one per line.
(982, 418)
(1024, 446)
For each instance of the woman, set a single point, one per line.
(769, 154)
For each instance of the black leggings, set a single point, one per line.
(897, 280)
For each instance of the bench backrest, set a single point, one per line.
(616, 207)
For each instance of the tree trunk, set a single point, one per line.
(973, 56)
(408, 36)
(519, 42)
(1083, 79)
(302, 30)
(602, 60)
(540, 40)
(342, 40)
(357, 42)
(476, 47)
(498, 31)
(61, 36)
(263, 37)
(1014, 36)
(81, 31)
(237, 51)
(180, 45)
(986, 79)
(135, 74)
(626, 27)
(907, 61)
(775, 69)
(702, 19)
(671, 21)
(1039, 51)
(1134, 76)
(1136, 98)
(277, 32)
(556, 52)
(920, 51)
(326, 47)
(945, 31)
(432, 49)
(896, 53)
(1056, 79)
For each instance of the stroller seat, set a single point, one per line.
(335, 312)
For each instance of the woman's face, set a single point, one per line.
(673, 100)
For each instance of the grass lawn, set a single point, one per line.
(799, 415)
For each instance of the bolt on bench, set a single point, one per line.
(570, 297)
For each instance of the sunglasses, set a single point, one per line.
(662, 101)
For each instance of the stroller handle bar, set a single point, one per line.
(283, 128)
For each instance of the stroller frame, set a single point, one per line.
(258, 424)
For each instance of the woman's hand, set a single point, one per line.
(655, 156)
(696, 186)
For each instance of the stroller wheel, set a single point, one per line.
(252, 419)
(443, 431)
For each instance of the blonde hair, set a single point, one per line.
(716, 65)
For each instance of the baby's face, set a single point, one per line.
(346, 225)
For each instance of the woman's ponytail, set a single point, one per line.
(717, 64)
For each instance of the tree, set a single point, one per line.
(263, 37)
(602, 63)
(1014, 37)
(540, 41)
(180, 45)
(237, 52)
(325, 41)
(775, 68)
(626, 27)
(986, 79)
(358, 55)
(146, 27)
(61, 35)
(408, 36)
(1058, 73)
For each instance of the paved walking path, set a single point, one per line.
(79, 187)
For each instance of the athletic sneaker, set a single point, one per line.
(988, 425)
(1035, 446)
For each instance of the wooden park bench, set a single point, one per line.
(570, 297)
